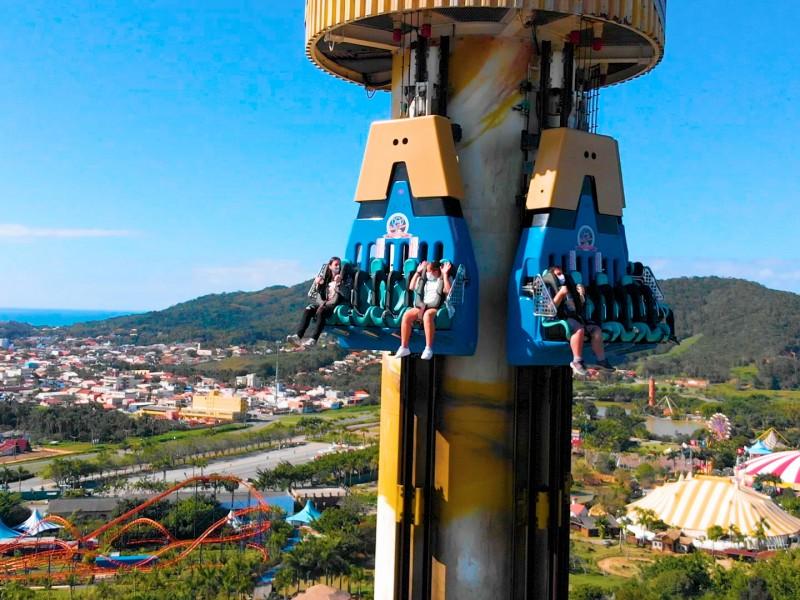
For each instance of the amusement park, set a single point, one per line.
(518, 370)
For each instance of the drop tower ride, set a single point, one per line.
(493, 139)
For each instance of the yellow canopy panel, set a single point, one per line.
(564, 158)
(425, 145)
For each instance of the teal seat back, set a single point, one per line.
(409, 266)
(363, 291)
(376, 265)
(398, 295)
(628, 308)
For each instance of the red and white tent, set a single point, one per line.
(785, 465)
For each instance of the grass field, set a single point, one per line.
(364, 414)
(589, 554)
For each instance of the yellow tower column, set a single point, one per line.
(473, 474)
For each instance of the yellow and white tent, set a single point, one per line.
(699, 502)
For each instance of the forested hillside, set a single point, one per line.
(220, 319)
(733, 324)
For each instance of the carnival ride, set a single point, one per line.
(491, 161)
(86, 556)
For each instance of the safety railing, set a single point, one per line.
(543, 305)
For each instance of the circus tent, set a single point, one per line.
(36, 524)
(306, 516)
(758, 449)
(772, 439)
(785, 465)
(6, 533)
(697, 503)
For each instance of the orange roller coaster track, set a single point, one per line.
(65, 556)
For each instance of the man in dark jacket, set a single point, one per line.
(569, 299)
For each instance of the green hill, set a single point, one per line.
(730, 323)
(218, 319)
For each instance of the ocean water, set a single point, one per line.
(56, 317)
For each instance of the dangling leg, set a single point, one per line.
(597, 343)
(322, 314)
(411, 315)
(576, 344)
(305, 320)
(429, 324)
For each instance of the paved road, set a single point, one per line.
(243, 467)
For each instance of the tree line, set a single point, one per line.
(341, 468)
(84, 423)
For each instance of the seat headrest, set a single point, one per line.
(410, 265)
(576, 277)
(376, 265)
(601, 279)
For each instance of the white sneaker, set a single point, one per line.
(309, 342)
(402, 352)
(578, 368)
(293, 339)
(427, 354)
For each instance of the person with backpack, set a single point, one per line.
(330, 291)
(431, 284)
(569, 299)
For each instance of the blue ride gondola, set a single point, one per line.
(573, 219)
(409, 210)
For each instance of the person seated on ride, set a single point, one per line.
(330, 292)
(431, 284)
(569, 300)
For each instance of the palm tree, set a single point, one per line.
(5, 474)
(714, 533)
(760, 532)
(20, 476)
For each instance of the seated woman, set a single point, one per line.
(569, 300)
(330, 292)
(431, 284)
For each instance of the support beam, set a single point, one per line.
(542, 433)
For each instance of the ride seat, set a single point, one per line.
(379, 276)
(607, 312)
(558, 329)
(362, 297)
(658, 331)
(397, 298)
(633, 314)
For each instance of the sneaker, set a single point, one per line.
(402, 352)
(309, 342)
(578, 368)
(427, 354)
(604, 364)
(293, 339)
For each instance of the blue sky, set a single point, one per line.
(152, 152)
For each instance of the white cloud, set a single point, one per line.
(16, 231)
(252, 275)
(776, 273)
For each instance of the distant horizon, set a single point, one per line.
(98, 314)
(59, 317)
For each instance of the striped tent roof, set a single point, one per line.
(785, 465)
(697, 503)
